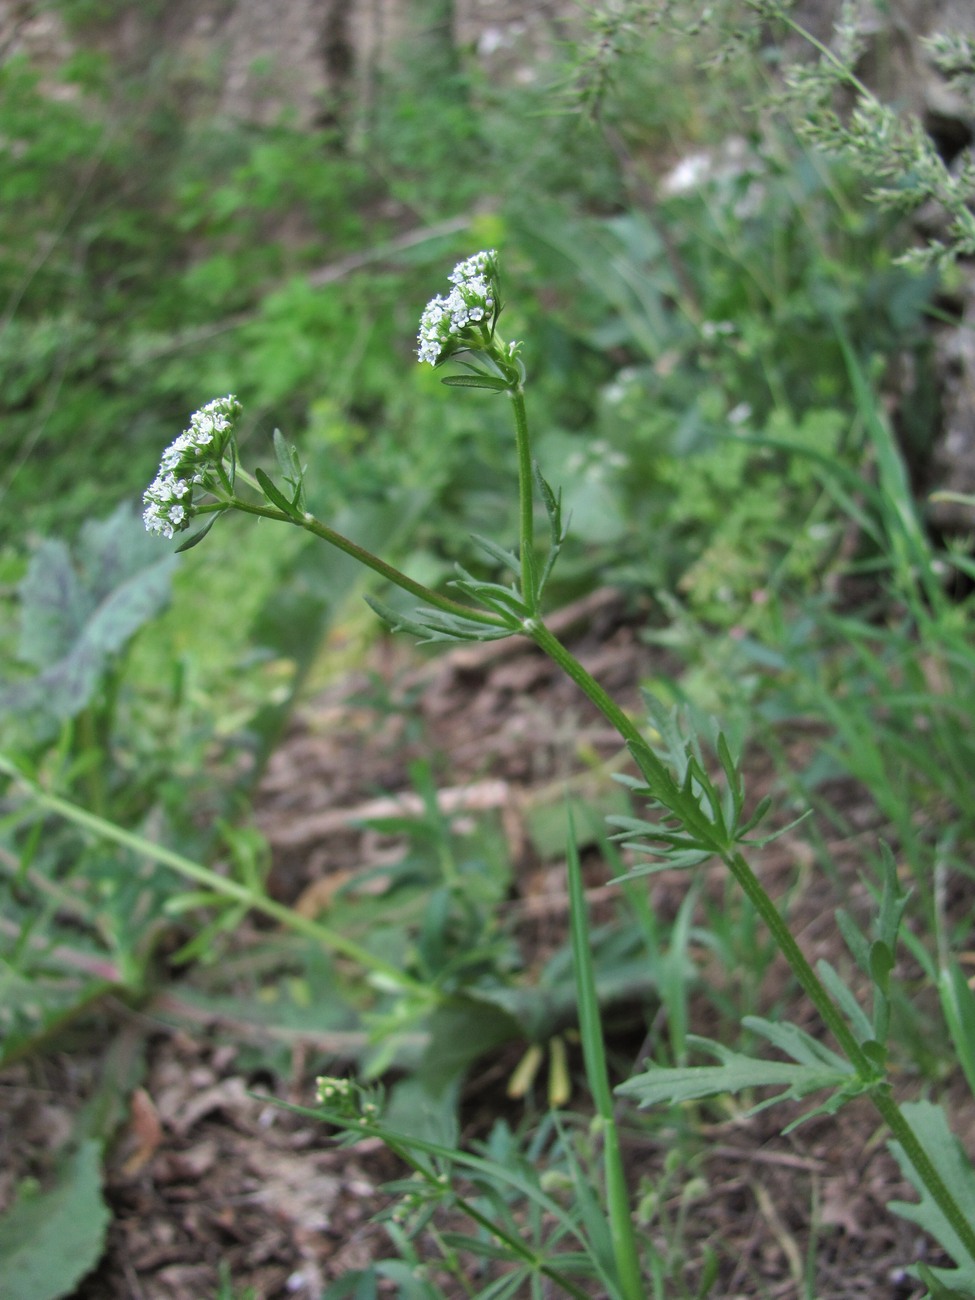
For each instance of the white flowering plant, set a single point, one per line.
(195, 465)
(465, 319)
(693, 816)
(697, 811)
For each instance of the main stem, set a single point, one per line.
(879, 1091)
(526, 500)
(878, 1088)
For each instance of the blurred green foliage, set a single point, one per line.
(715, 329)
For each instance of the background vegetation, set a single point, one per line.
(733, 380)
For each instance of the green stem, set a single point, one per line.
(220, 885)
(625, 1249)
(490, 1225)
(314, 526)
(526, 500)
(879, 1089)
(570, 665)
(923, 1164)
(810, 982)
(736, 864)
(88, 741)
(830, 56)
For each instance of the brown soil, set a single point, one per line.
(208, 1175)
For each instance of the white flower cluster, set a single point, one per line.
(470, 302)
(169, 496)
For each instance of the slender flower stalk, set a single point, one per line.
(526, 497)
(388, 571)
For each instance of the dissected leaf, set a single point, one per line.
(930, 1124)
(736, 1073)
(795, 1042)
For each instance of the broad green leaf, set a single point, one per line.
(63, 588)
(53, 605)
(79, 610)
(50, 1240)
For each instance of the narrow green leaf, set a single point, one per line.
(478, 1246)
(476, 381)
(843, 996)
(894, 900)
(430, 625)
(275, 495)
(552, 502)
(506, 558)
(197, 537)
(504, 1287)
(287, 458)
(881, 964)
(854, 939)
(736, 1073)
(730, 767)
(795, 1042)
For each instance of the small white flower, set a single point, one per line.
(470, 303)
(712, 329)
(740, 413)
(169, 497)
